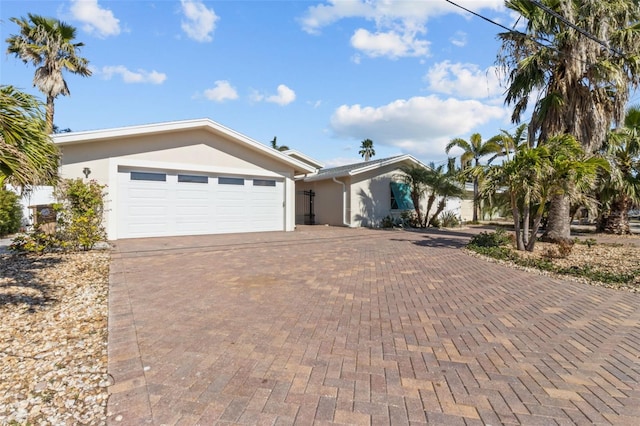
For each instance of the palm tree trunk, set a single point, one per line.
(49, 114)
(430, 200)
(441, 205)
(516, 222)
(558, 225)
(617, 221)
(476, 191)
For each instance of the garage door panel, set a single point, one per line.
(164, 208)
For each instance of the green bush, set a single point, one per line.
(79, 220)
(499, 238)
(80, 210)
(10, 213)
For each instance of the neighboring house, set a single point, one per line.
(184, 178)
(355, 195)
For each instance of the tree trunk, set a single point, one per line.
(558, 224)
(430, 200)
(516, 223)
(441, 205)
(49, 114)
(617, 221)
(476, 192)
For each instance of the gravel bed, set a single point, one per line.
(53, 338)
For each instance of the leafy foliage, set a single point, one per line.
(79, 220)
(80, 213)
(499, 238)
(10, 213)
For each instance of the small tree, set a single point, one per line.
(10, 212)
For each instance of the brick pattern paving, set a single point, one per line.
(343, 326)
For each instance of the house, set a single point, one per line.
(184, 178)
(355, 195)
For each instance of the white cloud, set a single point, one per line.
(396, 23)
(284, 97)
(459, 39)
(419, 125)
(221, 92)
(385, 12)
(96, 20)
(390, 44)
(138, 76)
(464, 80)
(200, 22)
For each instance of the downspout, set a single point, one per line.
(344, 202)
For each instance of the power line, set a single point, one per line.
(552, 13)
(575, 27)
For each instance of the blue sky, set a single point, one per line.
(320, 75)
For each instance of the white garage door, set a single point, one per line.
(158, 203)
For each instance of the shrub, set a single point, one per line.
(499, 238)
(449, 220)
(10, 213)
(79, 220)
(80, 213)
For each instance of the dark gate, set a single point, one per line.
(309, 215)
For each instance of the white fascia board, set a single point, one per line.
(174, 126)
(298, 155)
(395, 160)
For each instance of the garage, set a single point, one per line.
(164, 203)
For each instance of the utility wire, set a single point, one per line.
(577, 28)
(552, 13)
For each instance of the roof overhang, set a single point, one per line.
(63, 139)
(366, 167)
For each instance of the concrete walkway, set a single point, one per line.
(356, 326)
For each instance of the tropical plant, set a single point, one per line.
(80, 213)
(619, 189)
(366, 149)
(581, 83)
(473, 150)
(27, 155)
(536, 175)
(274, 145)
(448, 188)
(508, 143)
(49, 44)
(415, 177)
(10, 212)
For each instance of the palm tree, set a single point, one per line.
(474, 149)
(581, 85)
(366, 149)
(48, 44)
(620, 188)
(509, 142)
(27, 154)
(535, 175)
(274, 145)
(447, 187)
(415, 177)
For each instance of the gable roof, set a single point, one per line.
(305, 158)
(362, 167)
(180, 126)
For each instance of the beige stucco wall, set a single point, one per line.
(328, 201)
(193, 150)
(368, 198)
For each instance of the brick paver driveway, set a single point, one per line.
(355, 326)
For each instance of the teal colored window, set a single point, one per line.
(401, 196)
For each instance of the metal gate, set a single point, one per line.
(307, 205)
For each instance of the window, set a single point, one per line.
(230, 181)
(193, 178)
(156, 177)
(264, 182)
(401, 196)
